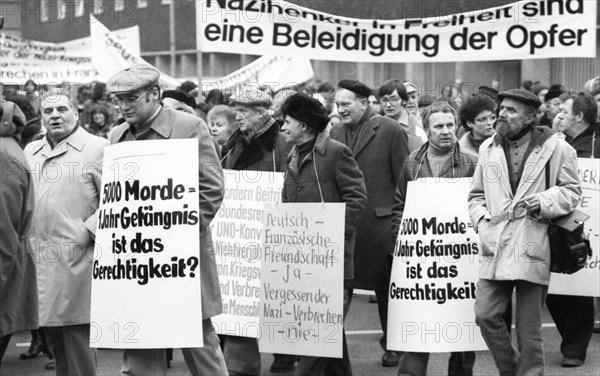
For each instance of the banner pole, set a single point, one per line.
(199, 73)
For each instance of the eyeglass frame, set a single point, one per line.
(491, 118)
(393, 101)
(119, 102)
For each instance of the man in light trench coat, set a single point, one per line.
(510, 205)
(66, 166)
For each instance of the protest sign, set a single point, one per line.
(302, 277)
(585, 282)
(146, 270)
(237, 238)
(50, 63)
(435, 271)
(520, 30)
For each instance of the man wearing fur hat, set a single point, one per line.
(319, 169)
(257, 145)
(379, 146)
(137, 94)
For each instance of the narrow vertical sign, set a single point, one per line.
(302, 279)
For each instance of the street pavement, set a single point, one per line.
(363, 333)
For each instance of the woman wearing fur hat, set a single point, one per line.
(319, 169)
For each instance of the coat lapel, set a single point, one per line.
(497, 158)
(534, 167)
(366, 134)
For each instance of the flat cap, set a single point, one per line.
(410, 88)
(490, 89)
(132, 79)
(307, 110)
(524, 96)
(180, 96)
(554, 91)
(251, 95)
(356, 87)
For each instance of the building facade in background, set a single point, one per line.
(168, 41)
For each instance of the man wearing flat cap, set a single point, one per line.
(138, 95)
(379, 146)
(510, 204)
(319, 169)
(257, 145)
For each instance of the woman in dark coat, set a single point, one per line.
(319, 169)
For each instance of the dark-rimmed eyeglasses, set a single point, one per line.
(128, 100)
(393, 100)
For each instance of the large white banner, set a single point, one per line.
(146, 273)
(237, 232)
(435, 271)
(585, 282)
(302, 279)
(521, 30)
(52, 63)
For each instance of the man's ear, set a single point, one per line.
(579, 117)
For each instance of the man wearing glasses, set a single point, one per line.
(137, 94)
(393, 98)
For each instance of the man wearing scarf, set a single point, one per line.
(257, 145)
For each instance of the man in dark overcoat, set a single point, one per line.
(379, 146)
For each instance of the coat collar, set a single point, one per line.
(162, 125)
(76, 140)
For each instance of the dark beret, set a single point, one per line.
(356, 87)
(524, 96)
(307, 110)
(180, 96)
(554, 92)
(132, 79)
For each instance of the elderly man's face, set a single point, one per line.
(139, 106)
(441, 131)
(552, 108)
(566, 118)
(513, 117)
(58, 116)
(350, 107)
(248, 117)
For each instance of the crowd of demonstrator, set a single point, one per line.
(336, 142)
